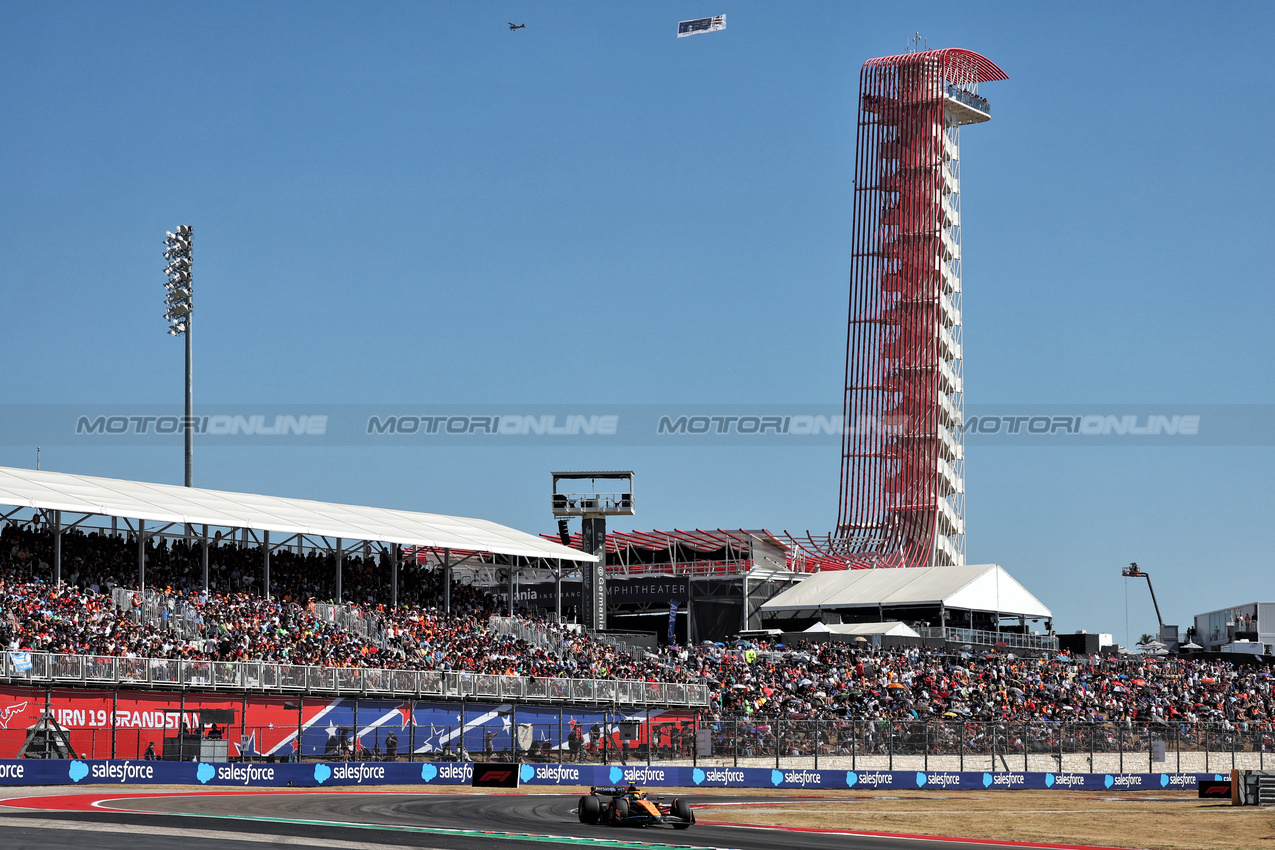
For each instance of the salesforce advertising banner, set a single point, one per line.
(326, 774)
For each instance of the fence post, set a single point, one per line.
(778, 722)
(1150, 767)
(411, 723)
(925, 749)
(735, 738)
(960, 734)
(1177, 741)
(854, 743)
(115, 704)
(1026, 733)
(1206, 748)
(818, 725)
(891, 746)
(695, 741)
(1233, 737)
(1091, 748)
(650, 738)
(560, 741)
(1121, 737)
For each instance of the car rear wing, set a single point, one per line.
(608, 790)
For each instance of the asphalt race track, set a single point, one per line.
(373, 820)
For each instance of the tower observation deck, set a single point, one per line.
(903, 459)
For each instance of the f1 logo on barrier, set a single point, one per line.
(1215, 789)
(495, 775)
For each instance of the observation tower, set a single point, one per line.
(903, 458)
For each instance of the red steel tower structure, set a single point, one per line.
(902, 466)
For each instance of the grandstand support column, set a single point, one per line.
(265, 557)
(447, 581)
(557, 592)
(57, 548)
(690, 609)
(338, 570)
(744, 583)
(510, 586)
(395, 554)
(141, 556)
(204, 556)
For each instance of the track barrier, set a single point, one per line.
(428, 774)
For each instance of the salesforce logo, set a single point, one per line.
(1065, 780)
(205, 772)
(558, 773)
(938, 780)
(720, 775)
(78, 770)
(322, 773)
(871, 778)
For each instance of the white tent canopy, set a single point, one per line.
(169, 503)
(864, 629)
(982, 587)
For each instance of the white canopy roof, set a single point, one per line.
(167, 503)
(865, 629)
(982, 587)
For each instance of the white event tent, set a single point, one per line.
(983, 588)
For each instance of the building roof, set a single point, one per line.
(169, 503)
(982, 587)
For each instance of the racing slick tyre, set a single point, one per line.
(619, 811)
(682, 809)
(590, 809)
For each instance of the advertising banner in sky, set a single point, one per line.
(701, 25)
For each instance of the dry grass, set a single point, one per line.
(1159, 820)
(1175, 820)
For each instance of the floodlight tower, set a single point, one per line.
(178, 251)
(902, 501)
(593, 507)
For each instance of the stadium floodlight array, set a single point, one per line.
(178, 252)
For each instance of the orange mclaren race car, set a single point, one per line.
(631, 807)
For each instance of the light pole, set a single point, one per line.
(178, 249)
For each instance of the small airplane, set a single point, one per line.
(514, 26)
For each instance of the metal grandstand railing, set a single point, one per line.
(979, 637)
(261, 676)
(537, 636)
(160, 611)
(350, 619)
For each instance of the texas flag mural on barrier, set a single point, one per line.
(123, 724)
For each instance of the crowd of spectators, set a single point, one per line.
(757, 680)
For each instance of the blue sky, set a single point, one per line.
(410, 203)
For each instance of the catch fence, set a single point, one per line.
(1038, 746)
(108, 670)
